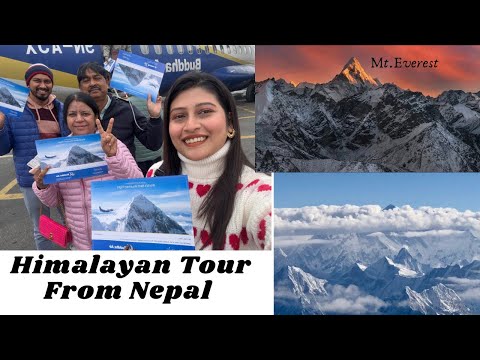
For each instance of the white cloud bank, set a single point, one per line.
(350, 300)
(371, 218)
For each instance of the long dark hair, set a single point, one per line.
(217, 207)
(81, 97)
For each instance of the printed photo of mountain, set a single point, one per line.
(13, 98)
(137, 75)
(71, 157)
(367, 108)
(149, 214)
(383, 243)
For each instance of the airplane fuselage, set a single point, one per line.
(233, 64)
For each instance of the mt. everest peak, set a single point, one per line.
(355, 74)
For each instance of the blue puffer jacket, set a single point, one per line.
(20, 134)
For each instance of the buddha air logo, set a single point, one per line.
(183, 65)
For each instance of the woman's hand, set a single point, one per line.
(107, 139)
(154, 109)
(38, 176)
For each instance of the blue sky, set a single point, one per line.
(457, 190)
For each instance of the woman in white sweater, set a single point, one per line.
(231, 204)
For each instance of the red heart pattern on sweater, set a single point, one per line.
(264, 187)
(243, 236)
(234, 241)
(253, 182)
(263, 230)
(205, 237)
(202, 189)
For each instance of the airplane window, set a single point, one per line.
(180, 49)
(190, 49)
(240, 50)
(158, 49)
(207, 49)
(144, 49)
(227, 48)
(169, 49)
(245, 49)
(218, 48)
(213, 49)
(199, 49)
(234, 49)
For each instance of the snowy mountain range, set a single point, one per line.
(80, 156)
(354, 123)
(138, 215)
(381, 272)
(7, 97)
(384, 287)
(76, 156)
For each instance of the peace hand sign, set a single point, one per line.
(107, 139)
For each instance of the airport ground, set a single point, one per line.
(16, 232)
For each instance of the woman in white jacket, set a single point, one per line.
(231, 204)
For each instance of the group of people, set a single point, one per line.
(200, 133)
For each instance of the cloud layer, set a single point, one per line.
(371, 218)
(350, 300)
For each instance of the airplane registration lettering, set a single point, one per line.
(57, 49)
(184, 65)
(31, 50)
(90, 49)
(43, 51)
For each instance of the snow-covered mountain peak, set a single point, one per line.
(305, 283)
(403, 255)
(355, 74)
(141, 202)
(437, 300)
(389, 207)
(386, 267)
(306, 84)
(138, 215)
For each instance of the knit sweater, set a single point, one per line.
(250, 225)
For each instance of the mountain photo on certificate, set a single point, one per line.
(149, 214)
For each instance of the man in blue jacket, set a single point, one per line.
(42, 118)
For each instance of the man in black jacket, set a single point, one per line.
(94, 80)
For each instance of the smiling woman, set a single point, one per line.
(81, 114)
(231, 204)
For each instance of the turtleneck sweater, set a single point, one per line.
(249, 227)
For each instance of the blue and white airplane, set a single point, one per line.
(234, 65)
